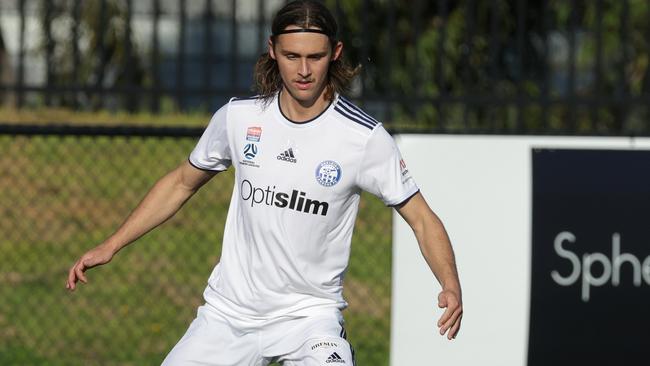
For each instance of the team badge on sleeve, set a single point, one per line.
(254, 134)
(328, 173)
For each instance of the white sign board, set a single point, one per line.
(480, 186)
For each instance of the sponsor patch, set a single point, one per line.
(254, 134)
(271, 196)
(288, 156)
(404, 170)
(334, 358)
(250, 152)
(323, 345)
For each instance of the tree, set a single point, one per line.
(88, 47)
(503, 65)
(6, 73)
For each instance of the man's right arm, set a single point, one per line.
(162, 201)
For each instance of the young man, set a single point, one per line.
(302, 154)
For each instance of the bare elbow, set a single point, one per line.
(418, 225)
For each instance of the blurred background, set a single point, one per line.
(99, 98)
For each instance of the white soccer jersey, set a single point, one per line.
(287, 236)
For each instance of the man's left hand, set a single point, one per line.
(450, 320)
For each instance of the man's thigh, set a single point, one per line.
(212, 341)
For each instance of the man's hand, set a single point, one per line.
(451, 318)
(101, 254)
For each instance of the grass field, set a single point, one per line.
(63, 195)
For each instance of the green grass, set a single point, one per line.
(62, 196)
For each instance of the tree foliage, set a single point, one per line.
(520, 65)
(87, 43)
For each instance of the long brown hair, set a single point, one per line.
(304, 14)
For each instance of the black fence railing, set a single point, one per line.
(518, 66)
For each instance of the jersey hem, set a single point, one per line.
(305, 307)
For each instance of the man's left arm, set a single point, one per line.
(436, 248)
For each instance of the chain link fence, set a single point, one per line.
(63, 194)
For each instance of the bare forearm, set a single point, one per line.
(436, 248)
(162, 201)
(437, 251)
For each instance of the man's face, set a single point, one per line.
(303, 60)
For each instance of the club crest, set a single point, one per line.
(328, 173)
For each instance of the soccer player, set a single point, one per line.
(302, 154)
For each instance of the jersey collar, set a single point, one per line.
(310, 123)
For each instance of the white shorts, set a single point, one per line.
(212, 339)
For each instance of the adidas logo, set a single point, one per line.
(334, 358)
(287, 155)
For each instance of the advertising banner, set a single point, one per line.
(590, 288)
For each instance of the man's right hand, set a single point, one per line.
(97, 256)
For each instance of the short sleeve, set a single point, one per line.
(383, 171)
(212, 152)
